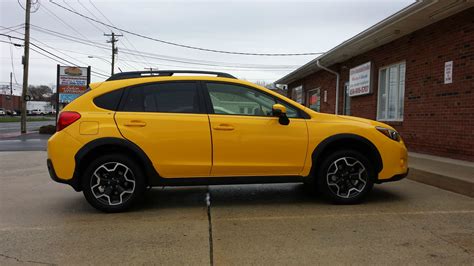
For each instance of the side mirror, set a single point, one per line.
(279, 111)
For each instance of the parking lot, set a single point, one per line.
(401, 223)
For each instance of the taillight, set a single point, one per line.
(65, 119)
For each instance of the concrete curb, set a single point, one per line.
(456, 185)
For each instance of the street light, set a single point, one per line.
(107, 61)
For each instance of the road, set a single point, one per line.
(14, 127)
(401, 223)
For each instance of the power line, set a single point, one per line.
(164, 57)
(58, 61)
(183, 45)
(48, 52)
(55, 49)
(71, 27)
(108, 20)
(106, 29)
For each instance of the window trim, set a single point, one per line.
(126, 92)
(387, 67)
(210, 108)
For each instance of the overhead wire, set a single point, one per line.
(108, 20)
(100, 30)
(184, 45)
(49, 52)
(167, 58)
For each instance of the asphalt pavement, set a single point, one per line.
(10, 128)
(27, 142)
(401, 223)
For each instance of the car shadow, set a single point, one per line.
(232, 195)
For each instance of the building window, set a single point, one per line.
(297, 94)
(391, 92)
(314, 99)
(347, 100)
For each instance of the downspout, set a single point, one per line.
(337, 83)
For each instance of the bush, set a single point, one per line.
(49, 129)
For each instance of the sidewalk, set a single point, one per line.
(445, 173)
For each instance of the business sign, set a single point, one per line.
(360, 79)
(448, 72)
(72, 82)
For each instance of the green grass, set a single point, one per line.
(5, 119)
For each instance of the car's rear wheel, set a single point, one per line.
(113, 183)
(345, 177)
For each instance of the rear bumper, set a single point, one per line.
(52, 173)
(393, 178)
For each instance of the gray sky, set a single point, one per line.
(242, 26)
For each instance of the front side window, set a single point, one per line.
(239, 100)
(391, 93)
(170, 97)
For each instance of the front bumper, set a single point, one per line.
(52, 173)
(393, 178)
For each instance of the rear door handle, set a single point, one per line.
(224, 127)
(135, 123)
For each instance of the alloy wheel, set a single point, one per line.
(112, 183)
(347, 177)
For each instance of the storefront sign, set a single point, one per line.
(448, 72)
(72, 82)
(360, 80)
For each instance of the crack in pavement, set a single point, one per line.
(209, 219)
(23, 261)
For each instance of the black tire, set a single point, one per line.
(345, 177)
(109, 187)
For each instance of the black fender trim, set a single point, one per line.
(321, 148)
(120, 143)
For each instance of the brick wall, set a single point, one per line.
(438, 118)
(7, 102)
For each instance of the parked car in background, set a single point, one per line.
(2, 111)
(37, 112)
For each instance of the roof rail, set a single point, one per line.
(141, 74)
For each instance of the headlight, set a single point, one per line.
(389, 133)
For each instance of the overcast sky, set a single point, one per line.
(241, 26)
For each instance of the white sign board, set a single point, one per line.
(359, 80)
(448, 72)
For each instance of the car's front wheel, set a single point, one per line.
(345, 177)
(113, 183)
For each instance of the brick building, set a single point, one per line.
(10, 102)
(414, 70)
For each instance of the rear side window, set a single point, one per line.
(172, 97)
(110, 100)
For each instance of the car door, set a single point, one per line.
(247, 139)
(168, 122)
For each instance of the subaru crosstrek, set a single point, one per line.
(144, 129)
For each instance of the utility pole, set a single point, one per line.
(11, 84)
(113, 40)
(26, 59)
(11, 94)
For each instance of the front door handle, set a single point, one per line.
(135, 123)
(224, 127)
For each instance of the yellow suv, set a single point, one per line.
(143, 129)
